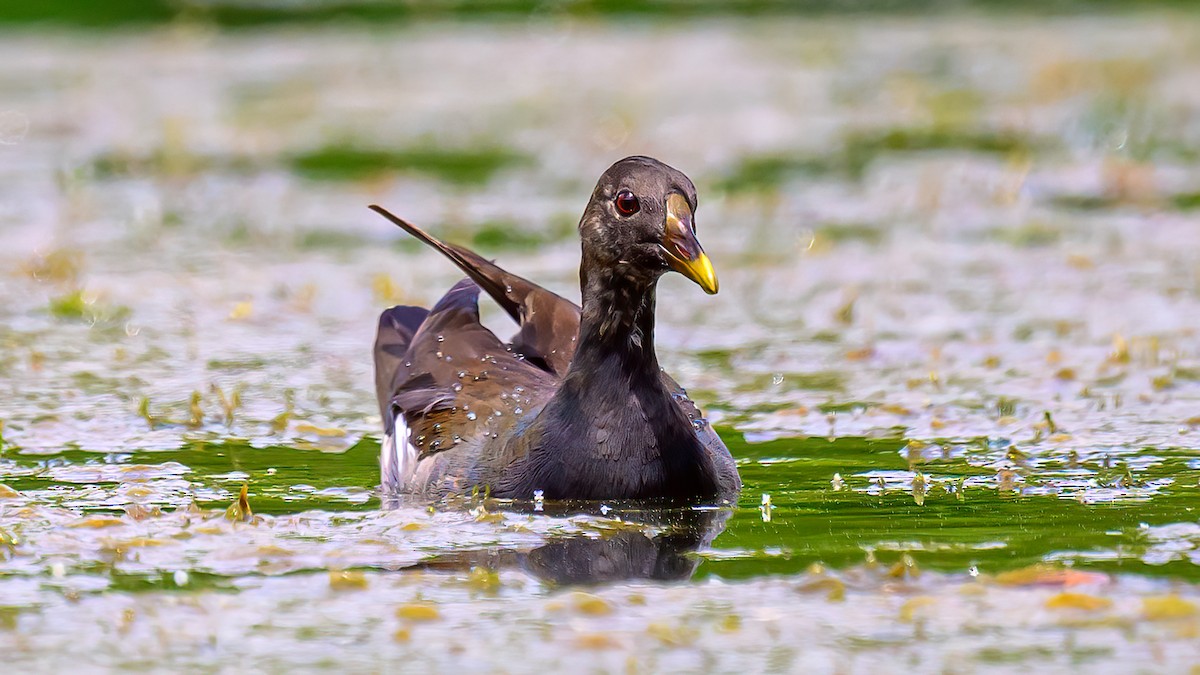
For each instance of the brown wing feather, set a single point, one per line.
(461, 376)
(549, 323)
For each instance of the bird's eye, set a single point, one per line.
(626, 203)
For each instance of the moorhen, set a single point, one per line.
(576, 405)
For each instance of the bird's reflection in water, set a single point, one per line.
(655, 544)
(666, 555)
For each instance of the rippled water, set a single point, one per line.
(955, 350)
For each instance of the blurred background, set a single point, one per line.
(959, 249)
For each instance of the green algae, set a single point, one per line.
(468, 166)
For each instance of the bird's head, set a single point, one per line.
(640, 223)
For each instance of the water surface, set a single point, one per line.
(954, 352)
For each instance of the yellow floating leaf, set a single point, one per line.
(306, 428)
(1167, 608)
(195, 411)
(905, 568)
(142, 542)
(273, 550)
(483, 580)
(142, 512)
(1120, 350)
(860, 354)
(1080, 262)
(834, 589)
(596, 641)
(386, 290)
(402, 635)
(730, 623)
(485, 516)
(8, 493)
(239, 511)
(241, 310)
(347, 580)
(586, 603)
(418, 611)
(1083, 601)
(97, 522)
(678, 636)
(139, 491)
(1048, 576)
(908, 611)
(919, 483)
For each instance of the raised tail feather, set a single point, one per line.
(548, 322)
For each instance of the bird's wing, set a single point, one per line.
(727, 474)
(463, 384)
(397, 326)
(549, 323)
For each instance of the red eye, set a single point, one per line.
(626, 203)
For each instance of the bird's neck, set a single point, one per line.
(616, 330)
(614, 405)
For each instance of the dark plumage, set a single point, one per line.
(576, 406)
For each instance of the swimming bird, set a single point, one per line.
(575, 405)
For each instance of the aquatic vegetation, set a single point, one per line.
(769, 172)
(460, 166)
(955, 349)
